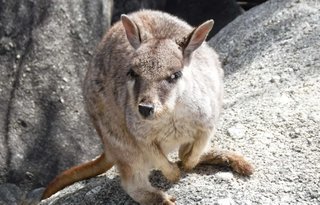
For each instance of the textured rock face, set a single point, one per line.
(44, 51)
(272, 63)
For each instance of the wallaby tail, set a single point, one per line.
(77, 173)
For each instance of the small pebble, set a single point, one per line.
(237, 131)
(225, 201)
(65, 79)
(227, 176)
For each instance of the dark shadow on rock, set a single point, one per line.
(197, 11)
(129, 6)
(158, 180)
(194, 12)
(15, 85)
(108, 192)
(38, 154)
(95, 17)
(105, 190)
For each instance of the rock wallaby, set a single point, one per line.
(154, 86)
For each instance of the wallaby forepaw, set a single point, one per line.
(169, 201)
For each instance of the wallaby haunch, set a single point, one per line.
(153, 86)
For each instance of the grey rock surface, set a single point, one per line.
(45, 47)
(10, 194)
(272, 62)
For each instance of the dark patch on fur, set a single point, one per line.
(183, 43)
(136, 89)
(99, 84)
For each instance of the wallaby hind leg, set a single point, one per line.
(227, 158)
(136, 183)
(192, 154)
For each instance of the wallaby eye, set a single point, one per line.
(174, 77)
(132, 74)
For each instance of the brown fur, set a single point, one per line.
(154, 86)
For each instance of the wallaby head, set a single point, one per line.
(157, 67)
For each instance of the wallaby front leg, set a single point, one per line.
(169, 169)
(190, 153)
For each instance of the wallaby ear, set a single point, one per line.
(197, 36)
(132, 31)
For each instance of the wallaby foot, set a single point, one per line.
(227, 158)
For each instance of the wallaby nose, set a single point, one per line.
(146, 109)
